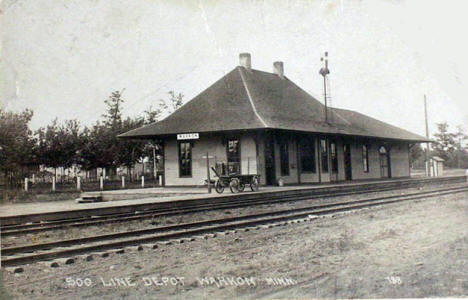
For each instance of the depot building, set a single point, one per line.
(256, 122)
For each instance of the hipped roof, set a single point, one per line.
(250, 99)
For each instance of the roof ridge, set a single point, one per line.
(335, 111)
(244, 82)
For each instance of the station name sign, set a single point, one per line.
(187, 136)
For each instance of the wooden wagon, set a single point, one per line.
(236, 182)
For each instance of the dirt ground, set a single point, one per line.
(419, 249)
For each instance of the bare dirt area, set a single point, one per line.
(79, 232)
(417, 249)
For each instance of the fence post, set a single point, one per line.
(53, 184)
(123, 182)
(142, 181)
(78, 183)
(101, 183)
(33, 178)
(160, 180)
(26, 184)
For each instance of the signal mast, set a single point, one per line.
(324, 71)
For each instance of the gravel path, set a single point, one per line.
(419, 249)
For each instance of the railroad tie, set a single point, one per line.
(66, 261)
(183, 240)
(165, 243)
(86, 257)
(102, 254)
(135, 248)
(15, 270)
(208, 235)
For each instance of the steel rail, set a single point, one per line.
(226, 204)
(190, 229)
(139, 215)
(395, 184)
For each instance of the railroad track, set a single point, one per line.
(21, 255)
(227, 203)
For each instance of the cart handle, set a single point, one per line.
(214, 170)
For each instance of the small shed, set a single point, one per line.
(437, 166)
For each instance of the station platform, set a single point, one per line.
(12, 213)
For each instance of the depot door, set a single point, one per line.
(333, 161)
(347, 161)
(384, 157)
(270, 177)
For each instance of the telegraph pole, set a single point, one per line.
(427, 136)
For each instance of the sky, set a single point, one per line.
(62, 59)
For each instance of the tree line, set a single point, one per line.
(66, 144)
(450, 146)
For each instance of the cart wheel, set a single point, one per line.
(234, 185)
(219, 187)
(254, 184)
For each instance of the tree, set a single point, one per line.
(113, 115)
(460, 137)
(98, 147)
(461, 151)
(175, 101)
(102, 148)
(129, 152)
(165, 107)
(415, 153)
(153, 148)
(59, 144)
(17, 144)
(445, 141)
(450, 146)
(151, 115)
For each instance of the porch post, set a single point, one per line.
(298, 161)
(319, 158)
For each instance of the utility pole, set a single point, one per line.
(427, 136)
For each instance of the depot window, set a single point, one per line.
(333, 157)
(185, 159)
(233, 156)
(324, 155)
(365, 158)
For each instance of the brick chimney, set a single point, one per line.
(244, 60)
(278, 68)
